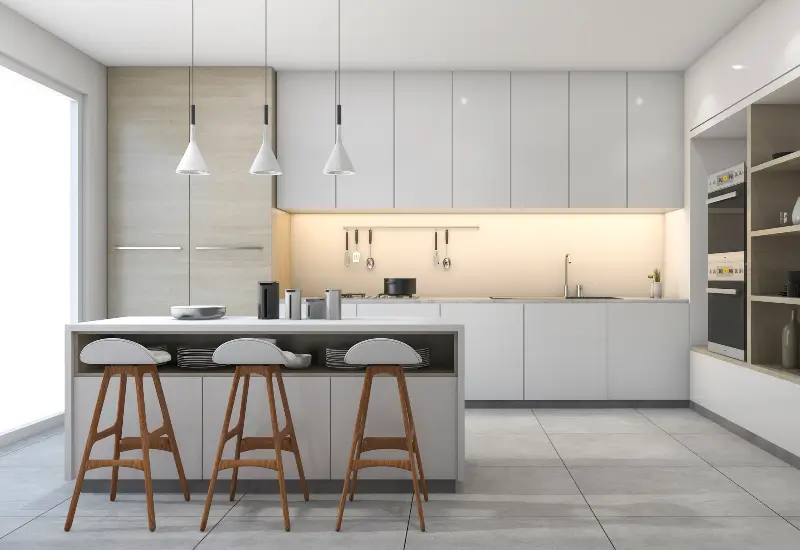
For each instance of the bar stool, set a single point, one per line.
(125, 358)
(384, 356)
(253, 356)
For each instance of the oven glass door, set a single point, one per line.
(727, 308)
(727, 221)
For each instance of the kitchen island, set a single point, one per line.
(323, 401)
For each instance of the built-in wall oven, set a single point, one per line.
(727, 270)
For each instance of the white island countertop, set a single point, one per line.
(253, 324)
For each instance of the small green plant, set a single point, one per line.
(655, 275)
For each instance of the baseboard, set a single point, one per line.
(29, 430)
(319, 486)
(578, 404)
(776, 451)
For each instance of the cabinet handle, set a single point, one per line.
(728, 291)
(721, 198)
(229, 248)
(148, 248)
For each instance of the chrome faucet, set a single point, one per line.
(567, 261)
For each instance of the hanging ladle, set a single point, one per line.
(370, 260)
(446, 262)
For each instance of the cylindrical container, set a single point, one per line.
(789, 343)
(293, 304)
(333, 304)
(579, 291)
(268, 301)
(400, 286)
(316, 308)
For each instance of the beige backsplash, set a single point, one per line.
(510, 255)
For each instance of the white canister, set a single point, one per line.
(292, 303)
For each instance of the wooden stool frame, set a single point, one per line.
(281, 440)
(363, 444)
(161, 439)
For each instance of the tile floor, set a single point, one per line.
(566, 479)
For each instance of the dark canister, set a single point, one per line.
(400, 286)
(269, 303)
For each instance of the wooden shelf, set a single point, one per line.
(786, 230)
(787, 163)
(775, 299)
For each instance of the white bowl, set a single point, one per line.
(197, 313)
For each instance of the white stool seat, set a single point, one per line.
(382, 351)
(249, 351)
(118, 351)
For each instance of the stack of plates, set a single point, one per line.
(334, 359)
(196, 358)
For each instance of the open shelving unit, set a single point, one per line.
(773, 187)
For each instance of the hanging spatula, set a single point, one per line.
(356, 253)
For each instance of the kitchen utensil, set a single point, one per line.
(268, 301)
(297, 360)
(197, 313)
(315, 308)
(292, 302)
(400, 286)
(356, 254)
(347, 249)
(370, 260)
(446, 262)
(333, 304)
(436, 248)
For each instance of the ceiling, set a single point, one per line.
(397, 34)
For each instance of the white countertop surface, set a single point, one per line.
(512, 300)
(253, 324)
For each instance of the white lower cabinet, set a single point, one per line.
(433, 402)
(565, 351)
(398, 310)
(309, 403)
(348, 311)
(493, 349)
(648, 351)
(183, 396)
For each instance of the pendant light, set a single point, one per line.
(265, 163)
(339, 163)
(192, 162)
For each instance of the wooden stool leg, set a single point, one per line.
(415, 441)
(145, 435)
(278, 445)
(173, 443)
(361, 426)
(222, 441)
(90, 440)
(290, 425)
(123, 382)
(239, 434)
(405, 407)
(362, 409)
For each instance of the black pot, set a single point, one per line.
(400, 287)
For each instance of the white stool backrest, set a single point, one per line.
(116, 351)
(249, 351)
(382, 351)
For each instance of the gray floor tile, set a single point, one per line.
(325, 506)
(594, 421)
(656, 449)
(507, 533)
(728, 450)
(682, 421)
(31, 491)
(525, 480)
(9, 524)
(795, 521)
(498, 449)
(505, 421)
(778, 488)
(43, 454)
(306, 533)
(28, 441)
(503, 506)
(47, 533)
(701, 533)
(134, 505)
(664, 491)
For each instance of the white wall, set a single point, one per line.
(32, 51)
(767, 43)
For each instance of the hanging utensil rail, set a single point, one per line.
(411, 227)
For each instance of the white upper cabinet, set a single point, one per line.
(306, 134)
(539, 139)
(598, 163)
(655, 140)
(423, 139)
(368, 137)
(481, 139)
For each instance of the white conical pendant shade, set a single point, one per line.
(192, 163)
(266, 164)
(339, 162)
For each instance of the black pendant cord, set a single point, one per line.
(191, 69)
(266, 66)
(339, 64)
